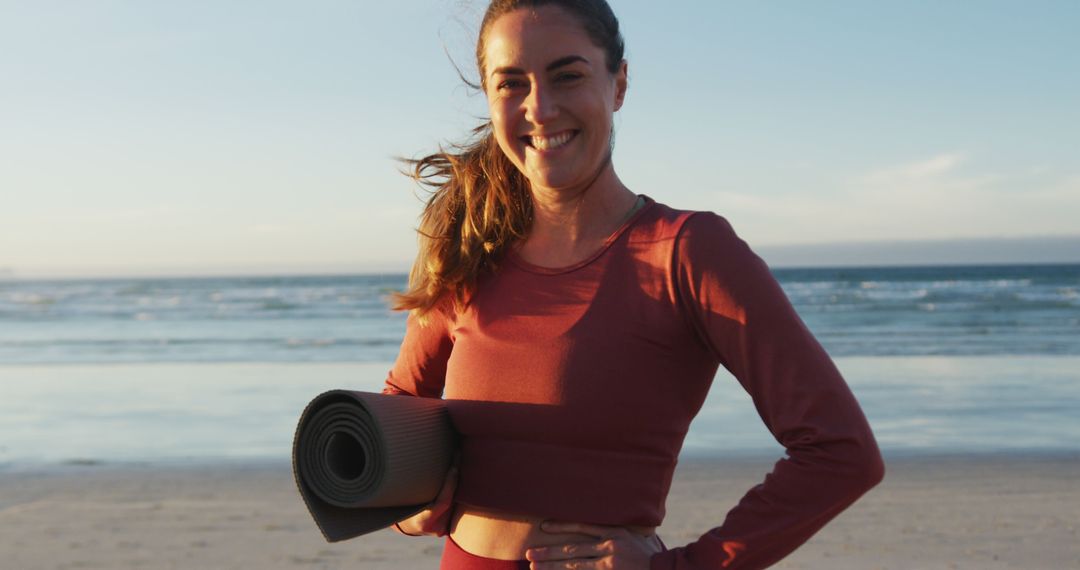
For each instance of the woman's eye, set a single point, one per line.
(567, 77)
(510, 85)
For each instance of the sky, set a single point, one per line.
(207, 137)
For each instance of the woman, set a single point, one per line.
(574, 328)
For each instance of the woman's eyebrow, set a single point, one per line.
(561, 62)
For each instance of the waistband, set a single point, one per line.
(455, 558)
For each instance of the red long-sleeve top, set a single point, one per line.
(573, 388)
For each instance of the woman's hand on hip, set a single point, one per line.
(614, 548)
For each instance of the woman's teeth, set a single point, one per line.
(552, 142)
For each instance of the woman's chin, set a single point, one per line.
(555, 181)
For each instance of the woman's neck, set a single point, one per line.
(568, 226)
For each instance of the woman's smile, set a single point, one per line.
(544, 144)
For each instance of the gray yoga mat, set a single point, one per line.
(365, 461)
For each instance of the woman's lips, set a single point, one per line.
(545, 143)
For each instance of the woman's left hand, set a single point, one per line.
(615, 548)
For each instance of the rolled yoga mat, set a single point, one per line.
(365, 461)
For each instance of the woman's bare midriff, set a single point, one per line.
(506, 536)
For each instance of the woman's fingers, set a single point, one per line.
(435, 519)
(613, 547)
(563, 552)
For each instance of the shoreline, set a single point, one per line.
(932, 511)
(210, 411)
(85, 465)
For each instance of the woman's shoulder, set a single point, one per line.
(703, 243)
(686, 226)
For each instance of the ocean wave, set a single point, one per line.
(854, 311)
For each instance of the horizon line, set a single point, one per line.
(270, 274)
(957, 252)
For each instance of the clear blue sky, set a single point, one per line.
(229, 137)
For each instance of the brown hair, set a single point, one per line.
(480, 202)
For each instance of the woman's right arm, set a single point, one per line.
(420, 370)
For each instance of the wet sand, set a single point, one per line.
(986, 512)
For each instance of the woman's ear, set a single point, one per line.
(620, 84)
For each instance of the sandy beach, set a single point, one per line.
(946, 512)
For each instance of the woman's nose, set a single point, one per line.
(541, 105)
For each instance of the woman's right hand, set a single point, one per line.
(435, 519)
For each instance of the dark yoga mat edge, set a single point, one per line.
(364, 461)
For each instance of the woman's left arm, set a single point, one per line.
(739, 310)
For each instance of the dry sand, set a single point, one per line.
(946, 512)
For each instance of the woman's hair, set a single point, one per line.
(480, 202)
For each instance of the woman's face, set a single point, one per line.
(551, 96)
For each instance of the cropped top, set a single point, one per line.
(573, 388)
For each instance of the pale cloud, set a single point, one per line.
(922, 170)
(941, 197)
(94, 216)
(267, 229)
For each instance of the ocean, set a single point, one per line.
(943, 359)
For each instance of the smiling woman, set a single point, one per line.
(574, 327)
(551, 113)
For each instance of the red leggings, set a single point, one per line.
(455, 558)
